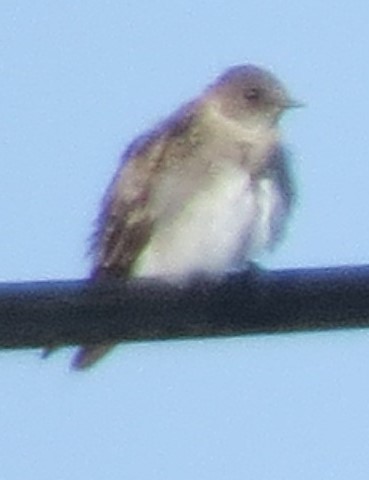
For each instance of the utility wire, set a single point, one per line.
(61, 313)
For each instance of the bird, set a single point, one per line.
(205, 191)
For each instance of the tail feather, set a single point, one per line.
(46, 352)
(86, 356)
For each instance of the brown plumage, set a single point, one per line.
(205, 190)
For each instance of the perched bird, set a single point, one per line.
(205, 191)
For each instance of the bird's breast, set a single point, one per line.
(229, 219)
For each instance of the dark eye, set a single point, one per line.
(252, 94)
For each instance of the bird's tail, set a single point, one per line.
(87, 355)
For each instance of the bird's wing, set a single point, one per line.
(279, 171)
(128, 210)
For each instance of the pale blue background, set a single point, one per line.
(78, 80)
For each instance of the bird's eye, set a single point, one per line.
(252, 94)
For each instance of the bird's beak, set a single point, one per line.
(291, 103)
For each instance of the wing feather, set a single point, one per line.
(127, 215)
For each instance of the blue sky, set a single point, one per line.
(78, 80)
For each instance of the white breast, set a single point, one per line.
(231, 220)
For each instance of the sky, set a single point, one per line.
(78, 81)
